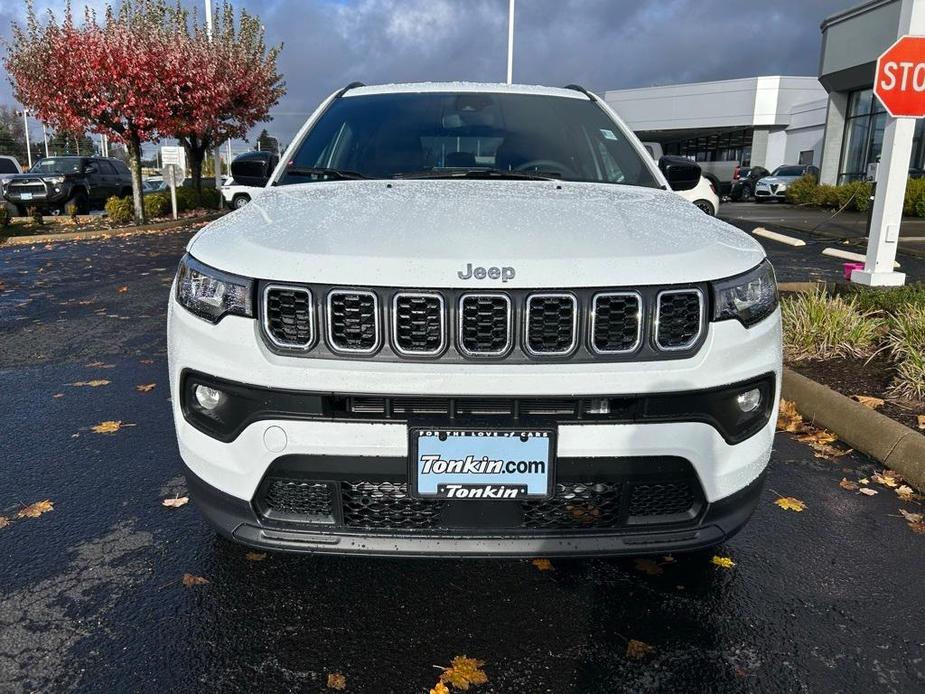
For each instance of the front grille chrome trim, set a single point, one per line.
(639, 321)
(443, 328)
(509, 344)
(311, 317)
(700, 318)
(377, 326)
(554, 353)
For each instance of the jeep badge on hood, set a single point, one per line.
(493, 273)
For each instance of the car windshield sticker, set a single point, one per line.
(608, 134)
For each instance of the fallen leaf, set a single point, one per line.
(647, 566)
(788, 419)
(255, 556)
(724, 562)
(145, 361)
(4, 521)
(176, 502)
(637, 650)
(122, 289)
(109, 426)
(37, 509)
(543, 564)
(848, 484)
(921, 420)
(886, 479)
(95, 383)
(907, 493)
(58, 395)
(337, 681)
(788, 503)
(867, 491)
(864, 480)
(868, 401)
(911, 517)
(439, 689)
(100, 365)
(145, 388)
(464, 672)
(918, 528)
(189, 580)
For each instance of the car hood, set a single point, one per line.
(424, 233)
(775, 180)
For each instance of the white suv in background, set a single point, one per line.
(468, 320)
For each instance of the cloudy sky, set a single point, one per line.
(602, 44)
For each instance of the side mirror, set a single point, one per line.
(250, 172)
(90, 168)
(681, 173)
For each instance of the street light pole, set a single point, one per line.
(510, 42)
(45, 138)
(25, 127)
(216, 152)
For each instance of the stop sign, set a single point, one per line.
(900, 80)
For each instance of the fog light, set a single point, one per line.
(208, 398)
(749, 400)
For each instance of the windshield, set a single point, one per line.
(61, 166)
(789, 171)
(388, 135)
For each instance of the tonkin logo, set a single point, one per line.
(493, 273)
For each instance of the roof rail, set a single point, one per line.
(352, 85)
(579, 88)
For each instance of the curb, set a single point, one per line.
(169, 225)
(886, 440)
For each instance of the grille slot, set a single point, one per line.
(418, 326)
(678, 318)
(310, 502)
(661, 499)
(387, 505)
(353, 321)
(484, 325)
(575, 505)
(615, 322)
(551, 325)
(289, 316)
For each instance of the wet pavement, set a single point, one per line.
(92, 598)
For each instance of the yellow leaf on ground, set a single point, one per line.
(58, 395)
(255, 556)
(37, 509)
(176, 502)
(920, 419)
(724, 562)
(439, 689)
(887, 479)
(848, 484)
(337, 681)
(911, 517)
(4, 521)
(145, 388)
(788, 503)
(867, 491)
(863, 480)
(788, 419)
(543, 564)
(95, 383)
(647, 566)
(463, 672)
(918, 528)
(189, 580)
(868, 401)
(907, 493)
(122, 289)
(109, 426)
(636, 650)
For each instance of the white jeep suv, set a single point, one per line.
(469, 320)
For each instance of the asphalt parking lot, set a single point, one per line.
(92, 596)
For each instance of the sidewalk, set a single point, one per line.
(821, 222)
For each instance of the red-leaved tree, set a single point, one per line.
(120, 77)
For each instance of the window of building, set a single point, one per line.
(732, 145)
(806, 157)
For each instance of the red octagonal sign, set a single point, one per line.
(900, 81)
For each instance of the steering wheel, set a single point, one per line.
(541, 165)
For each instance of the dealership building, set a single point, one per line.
(832, 120)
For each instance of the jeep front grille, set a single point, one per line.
(485, 325)
(353, 321)
(678, 318)
(289, 314)
(616, 322)
(418, 324)
(551, 324)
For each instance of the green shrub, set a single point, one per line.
(120, 210)
(188, 199)
(915, 193)
(906, 342)
(5, 216)
(854, 196)
(825, 196)
(157, 204)
(802, 191)
(887, 299)
(820, 326)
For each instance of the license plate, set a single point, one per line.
(481, 464)
(26, 196)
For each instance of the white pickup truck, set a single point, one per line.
(474, 320)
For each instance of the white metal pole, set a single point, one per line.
(892, 175)
(510, 42)
(45, 139)
(25, 126)
(216, 152)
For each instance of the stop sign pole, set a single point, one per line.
(900, 86)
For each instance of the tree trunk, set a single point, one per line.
(195, 153)
(133, 145)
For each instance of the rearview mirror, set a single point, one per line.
(681, 173)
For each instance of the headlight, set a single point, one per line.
(748, 298)
(782, 186)
(54, 180)
(210, 293)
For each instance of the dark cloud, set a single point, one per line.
(603, 44)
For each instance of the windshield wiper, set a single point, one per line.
(481, 173)
(323, 171)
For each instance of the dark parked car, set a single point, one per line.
(53, 182)
(744, 180)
